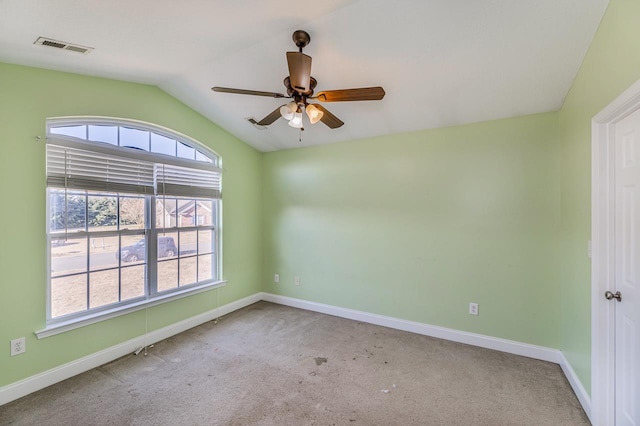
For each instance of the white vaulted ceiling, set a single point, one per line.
(441, 62)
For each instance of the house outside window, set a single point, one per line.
(133, 217)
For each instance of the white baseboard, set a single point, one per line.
(576, 384)
(509, 346)
(503, 345)
(47, 378)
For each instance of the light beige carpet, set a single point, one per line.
(273, 365)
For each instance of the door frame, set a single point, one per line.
(603, 126)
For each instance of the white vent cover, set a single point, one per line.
(57, 44)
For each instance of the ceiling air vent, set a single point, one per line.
(57, 44)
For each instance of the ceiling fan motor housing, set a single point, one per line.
(291, 92)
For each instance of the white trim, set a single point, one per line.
(503, 345)
(64, 326)
(47, 378)
(603, 260)
(576, 384)
(39, 381)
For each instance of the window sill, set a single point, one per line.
(72, 324)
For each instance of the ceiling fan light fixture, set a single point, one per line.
(300, 87)
(287, 111)
(314, 113)
(296, 121)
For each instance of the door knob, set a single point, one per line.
(615, 295)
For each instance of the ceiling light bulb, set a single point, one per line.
(314, 113)
(296, 121)
(287, 111)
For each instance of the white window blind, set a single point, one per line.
(73, 168)
(182, 181)
(99, 167)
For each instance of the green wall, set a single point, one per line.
(611, 65)
(417, 225)
(27, 97)
(413, 225)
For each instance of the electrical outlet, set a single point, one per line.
(276, 278)
(296, 280)
(18, 346)
(473, 309)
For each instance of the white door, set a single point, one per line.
(627, 270)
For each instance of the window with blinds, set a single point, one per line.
(133, 216)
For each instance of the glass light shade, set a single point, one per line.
(296, 121)
(287, 111)
(314, 113)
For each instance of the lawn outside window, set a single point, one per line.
(133, 218)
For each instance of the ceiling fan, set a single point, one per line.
(300, 86)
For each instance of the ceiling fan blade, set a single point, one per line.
(299, 71)
(362, 94)
(329, 119)
(247, 92)
(269, 119)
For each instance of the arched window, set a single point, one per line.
(133, 217)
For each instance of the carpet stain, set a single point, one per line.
(320, 361)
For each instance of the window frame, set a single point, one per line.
(134, 124)
(87, 234)
(150, 231)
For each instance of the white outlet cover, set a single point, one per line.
(297, 280)
(18, 346)
(473, 308)
(276, 278)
